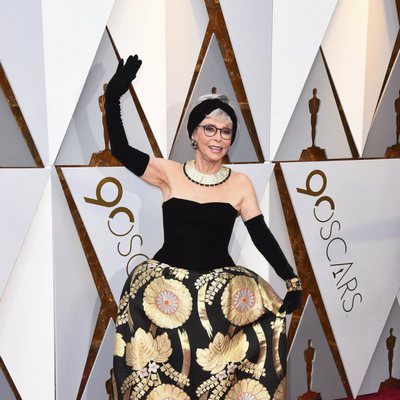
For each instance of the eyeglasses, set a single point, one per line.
(211, 130)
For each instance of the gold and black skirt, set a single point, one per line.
(184, 334)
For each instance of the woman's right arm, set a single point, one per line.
(151, 169)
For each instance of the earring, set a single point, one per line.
(194, 144)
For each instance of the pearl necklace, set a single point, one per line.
(205, 179)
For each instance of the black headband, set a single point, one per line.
(205, 108)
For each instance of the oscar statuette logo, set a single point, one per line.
(313, 153)
(104, 158)
(394, 151)
(391, 382)
(336, 247)
(125, 236)
(309, 357)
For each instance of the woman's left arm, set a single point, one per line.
(267, 245)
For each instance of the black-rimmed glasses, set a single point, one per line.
(211, 130)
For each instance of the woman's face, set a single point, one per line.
(215, 147)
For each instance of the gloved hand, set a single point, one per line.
(291, 302)
(133, 159)
(124, 75)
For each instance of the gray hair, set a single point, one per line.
(218, 113)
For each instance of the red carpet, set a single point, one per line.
(388, 394)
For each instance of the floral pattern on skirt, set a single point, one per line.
(184, 334)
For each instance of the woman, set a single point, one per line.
(191, 324)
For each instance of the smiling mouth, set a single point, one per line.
(215, 148)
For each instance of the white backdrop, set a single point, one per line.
(56, 55)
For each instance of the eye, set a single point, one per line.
(226, 132)
(210, 129)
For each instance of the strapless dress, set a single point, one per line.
(193, 325)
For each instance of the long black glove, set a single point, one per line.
(267, 245)
(133, 159)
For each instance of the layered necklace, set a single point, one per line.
(195, 176)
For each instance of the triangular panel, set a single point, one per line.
(330, 134)
(378, 370)
(27, 311)
(20, 194)
(14, 151)
(383, 129)
(76, 299)
(358, 46)
(250, 31)
(22, 57)
(213, 73)
(85, 134)
(96, 385)
(346, 238)
(182, 51)
(71, 35)
(138, 27)
(325, 378)
(383, 28)
(298, 29)
(7, 388)
(123, 220)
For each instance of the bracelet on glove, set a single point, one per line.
(294, 284)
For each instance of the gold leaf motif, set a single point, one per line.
(181, 379)
(144, 348)
(250, 368)
(162, 345)
(179, 273)
(206, 386)
(221, 351)
(244, 270)
(214, 288)
(140, 350)
(220, 344)
(238, 347)
(119, 345)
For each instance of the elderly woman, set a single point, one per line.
(191, 324)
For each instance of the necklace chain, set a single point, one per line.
(195, 176)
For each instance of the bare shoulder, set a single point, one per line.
(249, 207)
(241, 179)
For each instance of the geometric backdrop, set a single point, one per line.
(316, 86)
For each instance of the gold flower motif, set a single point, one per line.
(167, 392)
(167, 302)
(143, 348)
(248, 389)
(119, 345)
(221, 351)
(241, 301)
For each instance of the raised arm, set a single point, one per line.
(150, 169)
(267, 245)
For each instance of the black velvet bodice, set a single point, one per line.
(196, 235)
